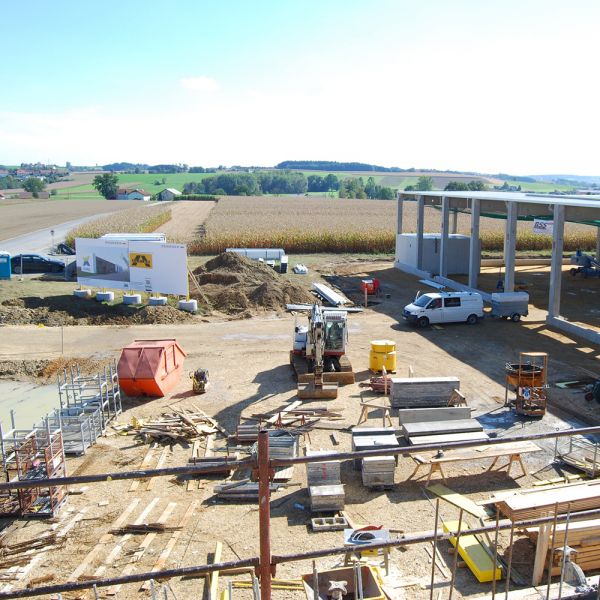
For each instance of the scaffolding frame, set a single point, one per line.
(77, 391)
(32, 454)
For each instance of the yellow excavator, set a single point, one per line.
(318, 357)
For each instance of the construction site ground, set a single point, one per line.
(248, 364)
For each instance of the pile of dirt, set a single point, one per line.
(56, 311)
(47, 370)
(235, 285)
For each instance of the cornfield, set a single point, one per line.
(309, 225)
(139, 219)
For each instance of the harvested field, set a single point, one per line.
(309, 224)
(187, 220)
(18, 217)
(139, 219)
(233, 284)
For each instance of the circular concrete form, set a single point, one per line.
(188, 305)
(157, 301)
(82, 293)
(105, 296)
(132, 299)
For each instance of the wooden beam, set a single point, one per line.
(214, 577)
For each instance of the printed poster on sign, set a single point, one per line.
(153, 267)
(542, 227)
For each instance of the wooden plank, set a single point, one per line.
(145, 464)
(425, 415)
(457, 500)
(285, 410)
(62, 532)
(479, 452)
(148, 539)
(164, 555)
(441, 427)
(161, 461)
(105, 539)
(541, 550)
(110, 559)
(214, 576)
(474, 554)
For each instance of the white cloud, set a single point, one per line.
(199, 84)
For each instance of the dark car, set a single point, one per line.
(36, 263)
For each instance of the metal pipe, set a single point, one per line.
(280, 462)
(133, 578)
(495, 556)
(264, 514)
(552, 551)
(564, 556)
(359, 580)
(406, 450)
(455, 563)
(120, 475)
(418, 538)
(435, 531)
(510, 557)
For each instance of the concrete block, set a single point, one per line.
(157, 301)
(188, 305)
(105, 296)
(442, 413)
(87, 293)
(132, 299)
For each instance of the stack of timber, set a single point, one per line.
(582, 536)
(415, 392)
(326, 497)
(180, 426)
(324, 488)
(442, 424)
(531, 504)
(378, 471)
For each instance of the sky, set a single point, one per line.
(489, 86)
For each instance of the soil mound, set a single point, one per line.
(55, 311)
(236, 285)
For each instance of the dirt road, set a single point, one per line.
(187, 220)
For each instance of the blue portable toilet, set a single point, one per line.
(4, 265)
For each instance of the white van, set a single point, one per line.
(444, 307)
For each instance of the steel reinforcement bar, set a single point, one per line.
(223, 567)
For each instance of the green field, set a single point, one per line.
(393, 180)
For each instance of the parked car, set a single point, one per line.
(65, 249)
(36, 263)
(444, 307)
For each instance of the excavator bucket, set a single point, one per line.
(313, 390)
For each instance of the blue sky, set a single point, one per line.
(490, 86)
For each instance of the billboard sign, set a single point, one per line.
(131, 265)
(542, 227)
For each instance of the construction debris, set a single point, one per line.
(170, 428)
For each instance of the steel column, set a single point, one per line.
(264, 514)
(474, 246)
(445, 226)
(556, 268)
(420, 230)
(510, 246)
(399, 215)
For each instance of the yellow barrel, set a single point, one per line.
(383, 354)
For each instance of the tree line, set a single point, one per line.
(287, 182)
